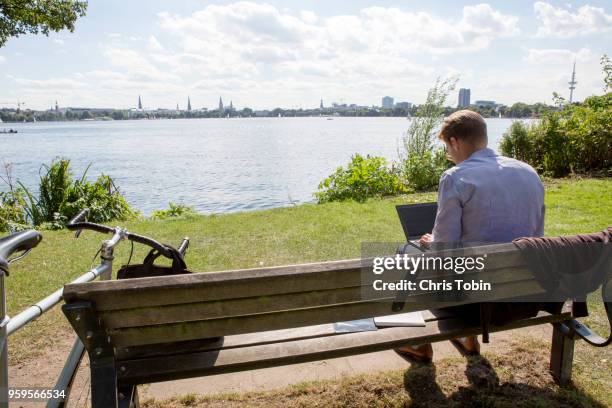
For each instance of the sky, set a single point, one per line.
(293, 53)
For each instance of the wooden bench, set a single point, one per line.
(145, 330)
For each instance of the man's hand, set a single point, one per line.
(426, 240)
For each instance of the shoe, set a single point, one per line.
(419, 354)
(467, 346)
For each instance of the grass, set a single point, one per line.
(303, 233)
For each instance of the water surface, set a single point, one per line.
(214, 165)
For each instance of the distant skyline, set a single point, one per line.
(293, 53)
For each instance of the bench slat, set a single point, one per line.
(156, 315)
(165, 368)
(182, 331)
(179, 289)
(249, 339)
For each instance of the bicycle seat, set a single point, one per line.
(20, 241)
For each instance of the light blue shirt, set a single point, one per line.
(489, 198)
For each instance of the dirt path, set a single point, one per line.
(278, 377)
(43, 370)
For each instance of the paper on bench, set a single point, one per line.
(412, 319)
(353, 326)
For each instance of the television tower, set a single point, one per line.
(572, 83)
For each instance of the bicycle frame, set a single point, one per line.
(10, 325)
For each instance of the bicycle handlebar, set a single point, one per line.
(20, 241)
(77, 223)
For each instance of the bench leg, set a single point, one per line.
(128, 397)
(561, 357)
(103, 383)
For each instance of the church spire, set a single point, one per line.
(188, 104)
(139, 103)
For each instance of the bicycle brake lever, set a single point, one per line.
(18, 257)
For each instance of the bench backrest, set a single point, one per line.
(202, 305)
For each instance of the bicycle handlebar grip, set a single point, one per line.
(78, 218)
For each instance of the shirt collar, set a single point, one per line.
(486, 152)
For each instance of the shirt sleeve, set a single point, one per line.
(447, 227)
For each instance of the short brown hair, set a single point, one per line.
(465, 125)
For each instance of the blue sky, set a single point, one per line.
(293, 53)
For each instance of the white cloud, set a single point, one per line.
(58, 41)
(154, 44)
(2, 59)
(562, 23)
(557, 56)
(373, 49)
(308, 16)
(483, 20)
(136, 65)
(50, 84)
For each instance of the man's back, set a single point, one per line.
(489, 198)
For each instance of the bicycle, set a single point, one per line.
(27, 241)
(22, 241)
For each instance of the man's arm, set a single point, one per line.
(447, 227)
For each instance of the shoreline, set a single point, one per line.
(234, 118)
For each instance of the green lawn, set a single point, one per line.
(303, 233)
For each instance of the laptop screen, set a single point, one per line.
(417, 219)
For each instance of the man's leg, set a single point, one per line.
(467, 346)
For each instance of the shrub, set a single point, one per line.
(422, 173)
(174, 210)
(364, 177)
(12, 215)
(574, 139)
(60, 198)
(102, 197)
(517, 142)
(12, 203)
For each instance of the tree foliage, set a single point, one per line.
(422, 160)
(606, 67)
(575, 139)
(18, 17)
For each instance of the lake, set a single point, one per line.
(214, 165)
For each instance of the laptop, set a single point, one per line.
(417, 220)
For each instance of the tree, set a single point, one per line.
(420, 136)
(606, 67)
(520, 110)
(18, 17)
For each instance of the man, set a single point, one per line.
(484, 198)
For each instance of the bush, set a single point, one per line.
(60, 198)
(364, 177)
(517, 142)
(174, 210)
(575, 139)
(422, 173)
(12, 214)
(101, 197)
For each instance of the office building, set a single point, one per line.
(387, 102)
(464, 98)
